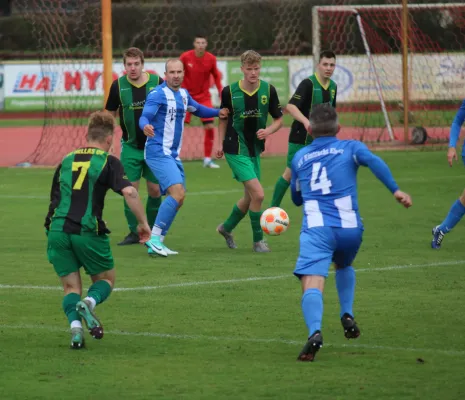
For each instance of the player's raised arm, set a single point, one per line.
(363, 156)
(455, 133)
(201, 111)
(151, 107)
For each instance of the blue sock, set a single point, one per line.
(456, 213)
(312, 308)
(345, 284)
(166, 214)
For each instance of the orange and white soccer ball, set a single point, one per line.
(274, 221)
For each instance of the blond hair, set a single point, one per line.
(133, 52)
(250, 57)
(101, 125)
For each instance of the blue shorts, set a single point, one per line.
(167, 170)
(323, 245)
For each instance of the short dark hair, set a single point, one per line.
(327, 54)
(200, 36)
(323, 120)
(133, 52)
(101, 125)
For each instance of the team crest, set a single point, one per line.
(184, 100)
(264, 99)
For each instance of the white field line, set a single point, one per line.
(229, 191)
(419, 351)
(238, 280)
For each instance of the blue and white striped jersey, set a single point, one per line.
(324, 180)
(166, 109)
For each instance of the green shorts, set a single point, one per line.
(244, 168)
(134, 164)
(68, 252)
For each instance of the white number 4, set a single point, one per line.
(319, 179)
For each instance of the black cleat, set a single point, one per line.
(131, 238)
(351, 330)
(314, 343)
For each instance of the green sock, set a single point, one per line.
(153, 204)
(256, 227)
(69, 306)
(235, 217)
(279, 191)
(99, 291)
(130, 217)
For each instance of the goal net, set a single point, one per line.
(368, 41)
(67, 83)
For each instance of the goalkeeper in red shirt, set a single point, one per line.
(199, 65)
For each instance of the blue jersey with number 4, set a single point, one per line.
(324, 181)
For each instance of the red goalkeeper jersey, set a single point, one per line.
(198, 72)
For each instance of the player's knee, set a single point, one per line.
(258, 196)
(287, 174)
(462, 198)
(179, 194)
(153, 190)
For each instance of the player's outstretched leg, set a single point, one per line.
(314, 343)
(77, 338)
(456, 212)
(351, 330)
(84, 308)
(228, 236)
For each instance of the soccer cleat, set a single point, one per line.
(169, 251)
(351, 330)
(93, 324)
(131, 238)
(261, 247)
(314, 343)
(228, 236)
(210, 164)
(77, 338)
(438, 237)
(156, 246)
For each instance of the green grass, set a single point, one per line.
(239, 339)
(356, 119)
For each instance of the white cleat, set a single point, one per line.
(169, 251)
(210, 164)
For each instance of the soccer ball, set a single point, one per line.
(274, 221)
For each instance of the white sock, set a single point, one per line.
(92, 302)
(162, 238)
(76, 324)
(156, 231)
(206, 160)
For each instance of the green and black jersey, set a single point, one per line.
(248, 113)
(130, 100)
(310, 92)
(78, 191)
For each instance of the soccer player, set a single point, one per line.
(242, 139)
(162, 122)
(127, 95)
(199, 66)
(324, 181)
(77, 234)
(318, 88)
(458, 208)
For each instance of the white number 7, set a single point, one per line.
(323, 183)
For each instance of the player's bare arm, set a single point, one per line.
(298, 116)
(274, 127)
(222, 124)
(132, 198)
